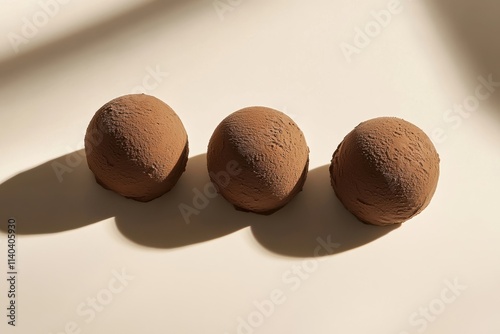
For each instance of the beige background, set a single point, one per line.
(74, 237)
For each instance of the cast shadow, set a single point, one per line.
(140, 19)
(315, 218)
(173, 220)
(474, 27)
(315, 214)
(42, 204)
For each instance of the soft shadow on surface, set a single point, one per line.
(42, 204)
(474, 27)
(144, 17)
(294, 230)
(161, 223)
(315, 218)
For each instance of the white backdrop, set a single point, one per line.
(89, 261)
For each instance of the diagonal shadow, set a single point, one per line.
(161, 223)
(474, 27)
(294, 231)
(41, 204)
(143, 18)
(315, 218)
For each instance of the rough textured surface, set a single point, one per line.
(137, 146)
(385, 171)
(271, 153)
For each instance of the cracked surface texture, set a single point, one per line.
(136, 146)
(385, 171)
(271, 152)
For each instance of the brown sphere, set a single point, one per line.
(258, 159)
(385, 171)
(136, 146)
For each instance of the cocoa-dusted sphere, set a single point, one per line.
(258, 159)
(385, 171)
(136, 146)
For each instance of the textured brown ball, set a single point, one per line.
(258, 159)
(385, 171)
(136, 146)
